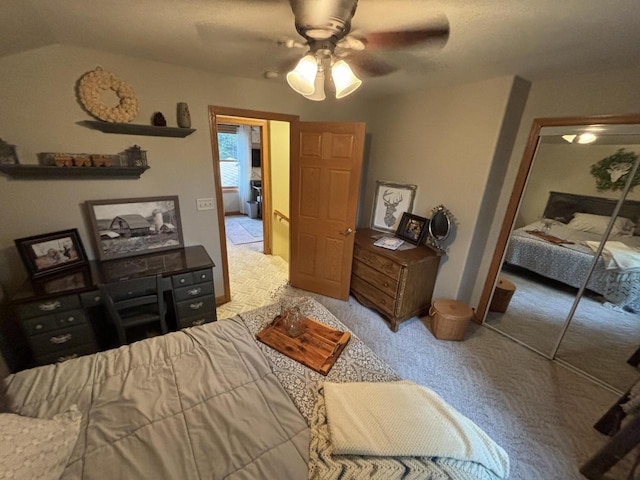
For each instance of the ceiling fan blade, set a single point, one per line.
(369, 66)
(435, 35)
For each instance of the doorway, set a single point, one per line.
(241, 153)
(258, 201)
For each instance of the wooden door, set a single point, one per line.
(326, 162)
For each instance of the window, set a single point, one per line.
(228, 150)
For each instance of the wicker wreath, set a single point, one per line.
(90, 88)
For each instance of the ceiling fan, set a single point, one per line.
(325, 26)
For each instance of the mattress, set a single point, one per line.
(570, 263)
(205, 402)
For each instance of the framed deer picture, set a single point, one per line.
(391, 201)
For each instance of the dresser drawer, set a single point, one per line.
(34, 309)
(197, 320)
(375, 278)
(136, 287)
(60, 340)
(182, 280)
(196, 306)
(203, 275)
(381, 300)
(377, 262)
(34, 326)
(67, 354)
(91, 299)
(192, 291)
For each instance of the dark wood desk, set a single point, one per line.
(63, 317)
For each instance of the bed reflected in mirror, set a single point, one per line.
(556, 292)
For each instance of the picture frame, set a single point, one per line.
(51, 253)
(135, 226)
(412, 228)
(391, 199)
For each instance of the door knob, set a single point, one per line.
(346, 232)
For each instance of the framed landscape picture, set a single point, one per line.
(391, 201)
(135, 226)
(51, 252)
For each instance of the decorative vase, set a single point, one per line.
(184, 118)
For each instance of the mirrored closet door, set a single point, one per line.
(567, 278)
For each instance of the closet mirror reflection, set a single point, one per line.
(568, 285)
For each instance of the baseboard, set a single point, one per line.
(228, 214)
(222, 300)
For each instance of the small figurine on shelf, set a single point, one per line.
(183, 115)
(158, 120)
(136, 156)
(8, 155)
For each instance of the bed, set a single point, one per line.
(204, 402)
(569, 262)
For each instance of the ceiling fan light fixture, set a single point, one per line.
(344, 79)
(318, 94)
(302, 78)
(585, 138)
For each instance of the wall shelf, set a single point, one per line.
(133, 129)
(46, 172)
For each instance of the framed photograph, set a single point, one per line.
(391, 200)
(412, 228)
(135, 226)
(51, 252)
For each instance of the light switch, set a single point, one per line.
(204, 203)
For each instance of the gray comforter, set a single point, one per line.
(195, 404)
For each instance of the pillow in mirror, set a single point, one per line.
(587, 222)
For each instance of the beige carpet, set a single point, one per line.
(599, 340)
(538, 411)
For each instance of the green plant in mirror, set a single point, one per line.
(611, 172)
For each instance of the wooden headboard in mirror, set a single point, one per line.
(562, 206)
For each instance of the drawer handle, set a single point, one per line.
(47, 307)
(385, 284)
(97, 298)
(383, 301)
(194, 291)
(196, 306)
(61, 338)
(67, 357)
(203, 276)
(197, 322)
(182, 280)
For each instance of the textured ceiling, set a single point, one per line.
(535, 39)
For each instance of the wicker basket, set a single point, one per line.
(450, 319)
(502, 295)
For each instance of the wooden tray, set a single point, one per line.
(549, 238)
(317, 347)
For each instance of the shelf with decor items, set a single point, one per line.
(135, 129)
(46, 172)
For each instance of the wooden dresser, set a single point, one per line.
(397, 283)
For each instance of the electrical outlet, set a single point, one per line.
(204, 203)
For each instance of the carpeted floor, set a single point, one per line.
(241, 229)
(599, 340)
(540, 412)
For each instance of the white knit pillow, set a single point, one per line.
(35, 448)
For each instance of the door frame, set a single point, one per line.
(519, 186)
(247, 117)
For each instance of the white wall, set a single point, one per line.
(443, 140)
(39, 114)
(607, 92)
(565, 168)
(231, 201)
